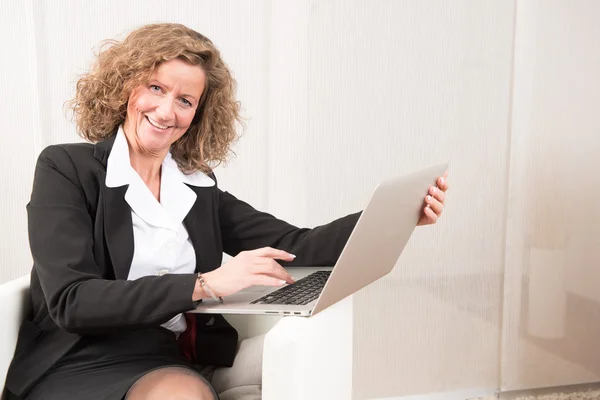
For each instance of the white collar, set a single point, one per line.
(176, 197)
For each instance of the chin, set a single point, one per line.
(155, 142)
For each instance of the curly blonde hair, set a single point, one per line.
(100, 103)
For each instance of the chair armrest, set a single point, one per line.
(14, 304)
(310, 358)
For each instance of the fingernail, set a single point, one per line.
(428, 198)
(442, 180)
(282, 282)
(434, 189)
(292, 255)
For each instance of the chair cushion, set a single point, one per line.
(249, 392)
(243, 380)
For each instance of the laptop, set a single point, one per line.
(372, 250)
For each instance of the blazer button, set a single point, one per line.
(162, 272)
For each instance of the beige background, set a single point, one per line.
(503, 293)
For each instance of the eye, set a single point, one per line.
(155, 88)
(186, 102)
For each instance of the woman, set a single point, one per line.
(127, 232)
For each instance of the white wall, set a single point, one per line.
(340, 94)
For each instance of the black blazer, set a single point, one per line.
(81, 239)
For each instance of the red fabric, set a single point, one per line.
(187, 340)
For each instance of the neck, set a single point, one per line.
(146, 163)
(148, 168)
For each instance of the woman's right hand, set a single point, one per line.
(248, 268)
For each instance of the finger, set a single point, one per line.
(273, 253)
(269, 267)
(440, 195)
(431, 216)
(434, 204)
(265, 280)
(442, 183)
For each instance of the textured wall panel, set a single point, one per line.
(19, 110)
(552, 306)
(432, 82)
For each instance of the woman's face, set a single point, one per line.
(161, 111)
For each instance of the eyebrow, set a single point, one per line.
(169, 88)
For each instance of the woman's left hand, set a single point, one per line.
(434, 201)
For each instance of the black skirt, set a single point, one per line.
(104, 367)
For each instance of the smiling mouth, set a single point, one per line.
(156, 124)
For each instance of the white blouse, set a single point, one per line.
(161, 242)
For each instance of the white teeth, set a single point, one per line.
(156, 124)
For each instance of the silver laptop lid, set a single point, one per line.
(380, 235)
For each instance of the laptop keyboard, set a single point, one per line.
(300, 293)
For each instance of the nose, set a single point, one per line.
(165, 110)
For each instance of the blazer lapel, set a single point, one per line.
(118, 226)
(199, 224)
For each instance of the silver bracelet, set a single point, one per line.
(205, 287)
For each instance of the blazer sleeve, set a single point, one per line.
(245, 228)
(79, 300)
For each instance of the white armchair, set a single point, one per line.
(303, 358)
(14, 298)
